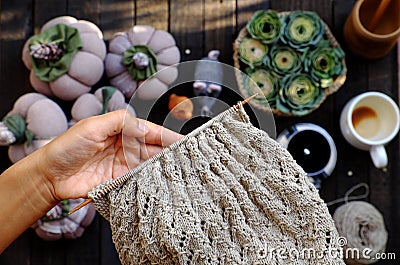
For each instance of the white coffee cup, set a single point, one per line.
(368, 122)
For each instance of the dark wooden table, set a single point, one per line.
(199, 26)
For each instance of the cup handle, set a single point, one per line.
(379, 156)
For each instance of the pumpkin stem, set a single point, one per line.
(107, 94)
(58, 212)
(15, 130)
(141, 60)
(46, 51)
(6, 136)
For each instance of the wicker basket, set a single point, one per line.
(338, 82)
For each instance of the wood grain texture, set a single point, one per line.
(198, 26)
(187, 26)
(116, 16)
(219, 26)
(154, 13)
(15, 28)
(85, 9)
(46, 10)
(246, 9)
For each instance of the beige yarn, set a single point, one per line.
(224, 194)
(363, 227)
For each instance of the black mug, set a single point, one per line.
(313, 149)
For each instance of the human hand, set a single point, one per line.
(91, 152)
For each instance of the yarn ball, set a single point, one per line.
(363, 227)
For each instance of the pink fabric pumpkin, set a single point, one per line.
(104, 100)
(136, 56)
(42, 120)
(57, 224)
(86, 65)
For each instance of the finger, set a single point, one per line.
(113, 123)
(158, 135)
(132, 151)
(147, 150)
(102, 126)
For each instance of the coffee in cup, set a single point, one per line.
(368, 122)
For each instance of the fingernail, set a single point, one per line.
(143, 127)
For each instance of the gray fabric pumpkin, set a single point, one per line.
(135, 56)
(65, 58)
(104, 99)
(58, 224)
(26, 127)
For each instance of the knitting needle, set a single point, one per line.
(249, 98)
(86, 202)
(83, 204)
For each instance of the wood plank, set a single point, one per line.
(116, 16)
(352, 163)
(246, 9)
(219, 23)
(15, 28)
(85, 9)
(396, 180)
(187, 26)
(154, 13)
(382, 77)
(286, 5)
(86, 249)
(47, 252)
(19, 251)
(108, 253)
(45, 10)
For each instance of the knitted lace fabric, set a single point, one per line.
(224, 194)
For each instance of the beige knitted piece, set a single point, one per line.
(224, 194)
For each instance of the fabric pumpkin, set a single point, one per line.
(136, 55)
(104, 100)
(33, 122)
(57, 224)
(65, 58)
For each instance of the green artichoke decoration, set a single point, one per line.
(283, 60)
(324, 63)
(262, 79)
(252, 52)
(265, 25)
(302, 29)
(292, 59)
(298, 95)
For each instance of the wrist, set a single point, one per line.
(35, 184)
(41, 177)
(25, 197)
